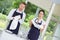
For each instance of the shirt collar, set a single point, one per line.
(19, 11)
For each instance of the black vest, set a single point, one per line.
(16, 14)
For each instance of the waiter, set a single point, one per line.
(17, 15)
(36, 25)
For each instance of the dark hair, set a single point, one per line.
(23, 3)
(42, 11)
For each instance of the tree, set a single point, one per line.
(4, 5)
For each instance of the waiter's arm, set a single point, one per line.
(35, 24)
(43, 26)
(30, 23)
(9, 17)
(23, 18)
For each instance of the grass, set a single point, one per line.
(2, 21)
(2, 24)
(2, 17)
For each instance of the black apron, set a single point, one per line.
(34, 32)
(18, 25)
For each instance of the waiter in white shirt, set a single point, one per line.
(16, 17)
(37, 24)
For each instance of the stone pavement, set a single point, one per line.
(8, 36)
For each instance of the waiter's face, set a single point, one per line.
(41, 14)
(22, 6)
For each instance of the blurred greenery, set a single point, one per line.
(7, 5)
(2, 21)
(2, 17)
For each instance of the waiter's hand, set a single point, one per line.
(41, 29)
(13, 17)
(19, 18)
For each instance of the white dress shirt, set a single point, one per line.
(37, 25)
(11, 13)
